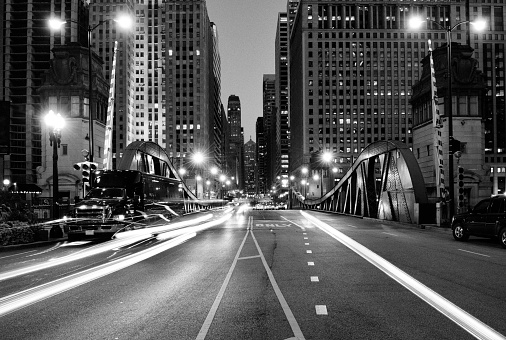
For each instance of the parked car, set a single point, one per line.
(486, 219)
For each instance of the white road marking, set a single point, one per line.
(321, 310)
(315, 279)
(288, 313)
(349, 225)
(212, 312)
(472, 252)
(249, 257)
(310, 263)
(306, 244)
(309, 251)
(306, 238)
(465, 320)
(301, 227)
(384, 232)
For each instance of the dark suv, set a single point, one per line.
(487, 219)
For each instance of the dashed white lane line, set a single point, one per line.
(389, 233)
(472, 252)
(465, 320)
(310, 263)
(306, 244)
(315, 279)
(321, 310)
(309, 251)
(306, 238)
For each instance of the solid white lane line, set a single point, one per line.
(465, 320)
(310, 263)
(249, 257)
(288, 313)
(472, 252)
(210, 316)
(315, 279)
(321, 310)
(301, 227)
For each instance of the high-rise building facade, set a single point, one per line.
(270, 129)
(192, 82)
(261, 157)
(236, 143)
(283, 129)
(250, 167)
(352, 67)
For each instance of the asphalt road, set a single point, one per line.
(259, 275)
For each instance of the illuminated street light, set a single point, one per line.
(55, 123)
(479, 25)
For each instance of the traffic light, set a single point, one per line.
(461, 187)
(88, 168)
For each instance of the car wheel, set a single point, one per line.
(459, 233)
(502, 237)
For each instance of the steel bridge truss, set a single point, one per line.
(384, 182)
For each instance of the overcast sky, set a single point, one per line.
(247, 33)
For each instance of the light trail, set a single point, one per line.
(126, 238)
(27, 297)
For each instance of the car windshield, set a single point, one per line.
(106, 193)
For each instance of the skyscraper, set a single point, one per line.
(250, 167)
(283, 129)
(191, 82)
(236, 143)
(270, 129)
(352, 66)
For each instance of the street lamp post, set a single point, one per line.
(198, 158)
(55, 122)
(416, 22)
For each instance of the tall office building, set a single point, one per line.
(352, 67)
(236, 143)
(192, 82)
(250, 167)
(270, 130)
(261, 157)
(283, 129)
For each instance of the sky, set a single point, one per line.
(247, 36)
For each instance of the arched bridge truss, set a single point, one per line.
(150, 158)
(384, 182)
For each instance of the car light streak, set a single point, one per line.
(128, 238)
(27, 297)
(174, 233)
(465, 320)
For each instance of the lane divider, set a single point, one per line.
(465, 320)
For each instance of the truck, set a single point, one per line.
(121, 200)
